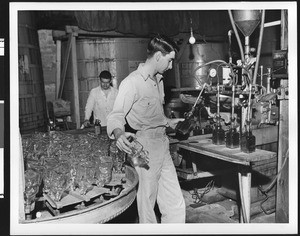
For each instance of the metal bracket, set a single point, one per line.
(283, 93)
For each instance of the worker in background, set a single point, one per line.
(101, 100)
(139, 105)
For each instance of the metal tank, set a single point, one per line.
(247, 20)
(196, 55)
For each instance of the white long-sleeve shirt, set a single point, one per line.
(100, 104)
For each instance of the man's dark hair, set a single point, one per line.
(161, 43)
(105, 74)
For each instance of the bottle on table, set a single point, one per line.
(97, 127)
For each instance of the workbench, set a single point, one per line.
(203, 145)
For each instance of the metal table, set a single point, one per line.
(203, 145)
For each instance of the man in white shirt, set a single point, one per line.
(101, 100)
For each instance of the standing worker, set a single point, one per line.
(101, 100)
(139, 105)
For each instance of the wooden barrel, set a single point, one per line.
(32, 101)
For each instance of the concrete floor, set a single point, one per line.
(212, 208)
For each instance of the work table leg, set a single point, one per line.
(244, 175)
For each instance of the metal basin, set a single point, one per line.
(98, 212)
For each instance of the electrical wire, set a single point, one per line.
(275, 178)
(198, 194)
(208, 63)
(272, 184)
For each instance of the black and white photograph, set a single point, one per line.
(152, 118)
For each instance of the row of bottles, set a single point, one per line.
(232, 139)
(198, 130)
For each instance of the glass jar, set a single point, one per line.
(32, 185)
(85, 176)
(248, 142)
(118, 157)
(218, 137)
(138, 157)
(104, 171)
(232, 138)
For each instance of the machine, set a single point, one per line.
(233, 103)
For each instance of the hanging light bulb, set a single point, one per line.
(192, 39)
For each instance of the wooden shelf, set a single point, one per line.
(189, 174)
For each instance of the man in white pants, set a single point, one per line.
(139, 105)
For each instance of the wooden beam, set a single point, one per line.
(182, 48)
(75, 82)
(284, 30)
(58, 34)
(58, 66)
(65, 66)
(282, 197)
(21, 182)
(177, 74)
(176, 63)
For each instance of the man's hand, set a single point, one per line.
(122, 140)
(174, 122)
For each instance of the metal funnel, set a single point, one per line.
(247, 20)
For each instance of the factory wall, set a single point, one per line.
(32, 102)
(118, 55)
(48, 54)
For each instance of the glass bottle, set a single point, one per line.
(207, 129)
(138, 157)
(248, 142)
(218, 137)
(118, 157)
(197, 130)
(97, 127)
(232, 138)
(172, 115)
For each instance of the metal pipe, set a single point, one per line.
(274, 23)
(232, 105)
(268, 80)
(247, 49)
(249, 108)
(259, 46)
(218, 104)
(229, 48)
(208, 63)
(236, 35)
(261, 78)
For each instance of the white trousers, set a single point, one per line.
(159, 183)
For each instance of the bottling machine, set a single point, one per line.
(232, 99)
